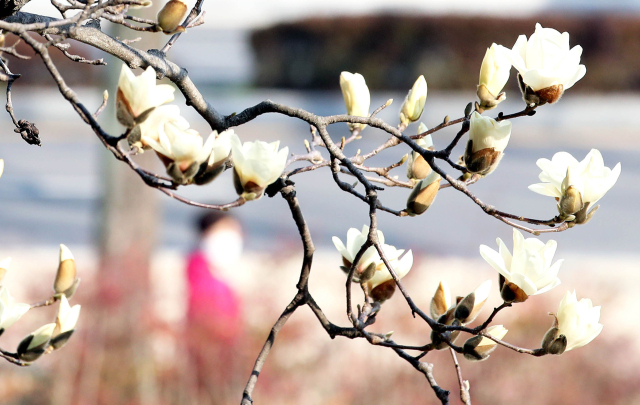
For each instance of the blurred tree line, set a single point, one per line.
(390, 51)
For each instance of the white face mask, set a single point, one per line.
(222, 249)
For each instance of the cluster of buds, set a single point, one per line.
(575, 185)
(459, 313)
(51, 336)
(370, 270)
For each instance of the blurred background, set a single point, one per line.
(157, 329)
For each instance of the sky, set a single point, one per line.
(248, 14)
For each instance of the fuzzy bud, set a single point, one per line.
(171, 16)
(423, 194)
(414, 102)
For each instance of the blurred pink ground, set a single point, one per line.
(307, 367)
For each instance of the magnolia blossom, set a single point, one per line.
(256, 165)
(494, 74)
(183, 150)
(137, 95)
(546, 64)
(414, 102)
(371, 266)
(563, 173)
(356, 96)
(10, 311)
(1, 167)
(66, 281)
(488, 139)
(578, 321)
(530, 268)
(151, 127)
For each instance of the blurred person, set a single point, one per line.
(214, 321)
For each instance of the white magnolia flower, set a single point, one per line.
(10, 311)
(355, 240)
(494, 74)
(414, 102)
(150, 128)
(67, 317)
(356, 96)
(546, 63)
(400, 266)
(488, 139)
(590, 176)
(1, 167)
(578, 321)
(530, 267)
(137, 94)
(66, 281)
(256, 165)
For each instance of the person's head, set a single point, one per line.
(220, 238)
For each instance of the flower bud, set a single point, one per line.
(414, 102)
(356, 96)
(441, 301)
(65, 323)
(553, 342)
(571, 188)
(494, 74)
(171, 16)
(479, 348)
(384, 291)
(34, 345)
(510, 292)
(66, 281)
(470, 306)
(423, 194)
(417, 166)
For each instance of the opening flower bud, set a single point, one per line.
(470, 306)
(34, 345)
(414, 102)
(417, 166)
(488, 139)
(494, 74)
(441, 301)
(423, 194)
(171, 16)
(479, 348)
(356, 96)
(439, 339)
(510, 292)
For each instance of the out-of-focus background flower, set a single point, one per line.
(133, 344)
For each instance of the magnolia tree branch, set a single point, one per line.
(370, 178)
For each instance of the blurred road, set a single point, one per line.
(51, 195)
